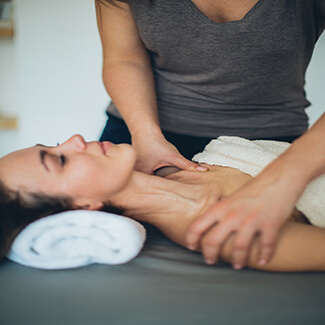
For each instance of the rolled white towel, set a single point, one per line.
(77, 238)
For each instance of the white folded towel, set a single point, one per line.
(251, 157)
(76, 238)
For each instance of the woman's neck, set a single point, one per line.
(148, 196)
(168, 204)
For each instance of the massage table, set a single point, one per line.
(165, 284)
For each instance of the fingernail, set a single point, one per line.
(201, 168)
(262, 262)
(191, 247)
(237, 266)
(209, 261)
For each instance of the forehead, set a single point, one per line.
(18, 165)
(18, 156)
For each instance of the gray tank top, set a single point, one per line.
(243, 78)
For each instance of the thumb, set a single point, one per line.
(186, 164)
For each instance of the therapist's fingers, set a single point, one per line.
(183, 163)
(268, 243)
(201, 224)
(213, 240)
(159, 154)
(242, 245)
(172, 157)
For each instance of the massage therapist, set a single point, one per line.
(181, 73)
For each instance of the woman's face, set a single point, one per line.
(89, 173)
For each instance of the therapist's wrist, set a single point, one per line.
(301, 165)
(286, 176)
(147, 132)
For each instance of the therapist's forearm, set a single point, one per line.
(303, 161)
(308, 152)
(131, 87)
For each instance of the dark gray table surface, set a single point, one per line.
(165, 284)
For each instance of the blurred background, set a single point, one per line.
(50, 74)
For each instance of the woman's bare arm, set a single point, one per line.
(300, 248)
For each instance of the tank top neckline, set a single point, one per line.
(205, 18)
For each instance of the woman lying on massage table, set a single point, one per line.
(42, 180)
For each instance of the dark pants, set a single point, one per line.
(117, 132)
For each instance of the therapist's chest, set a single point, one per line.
(223, 11)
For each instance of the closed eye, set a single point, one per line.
(62, 160)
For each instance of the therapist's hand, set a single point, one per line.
(153, 153)
(260, 207)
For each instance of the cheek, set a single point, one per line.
(98, 177)
(95, 179)
(81, 178)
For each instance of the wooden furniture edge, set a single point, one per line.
(8, 123)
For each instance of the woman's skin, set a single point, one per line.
(259, 207)
(95, 174)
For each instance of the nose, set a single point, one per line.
(75, 142)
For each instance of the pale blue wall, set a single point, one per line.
(315, 81)
(52, 72)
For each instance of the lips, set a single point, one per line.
(105, 146)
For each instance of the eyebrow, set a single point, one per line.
(42, 154)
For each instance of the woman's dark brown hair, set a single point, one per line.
(16, 212)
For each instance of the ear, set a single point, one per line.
(85, 204)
